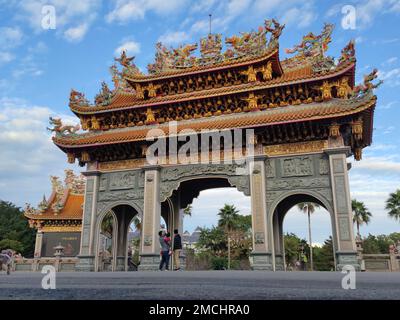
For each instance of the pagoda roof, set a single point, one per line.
(272, 52)
(301, 74)
(293, 113)
(65, 202)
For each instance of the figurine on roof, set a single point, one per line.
(124, 60)
(275, 31)
(367, 86)
(313, 45)
(61, 129)
(104, 96)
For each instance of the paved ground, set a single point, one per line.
(201, 285)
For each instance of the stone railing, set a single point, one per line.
(381, 262)
(36, 264)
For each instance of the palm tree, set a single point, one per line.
(228, 215)
(188, 210)
(309, 208)
(228, 221)
(393, 205)
(361, 214)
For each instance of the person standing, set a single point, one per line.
(164, 251)
(177, 248)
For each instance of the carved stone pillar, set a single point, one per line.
(178, 224)
(38, 244)
(342, 231)
(261, 256)
(122, 240)
(278, 242)
(86, 255)
(150, 254)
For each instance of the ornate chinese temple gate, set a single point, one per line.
(306, 113)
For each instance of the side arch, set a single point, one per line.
(277, 212)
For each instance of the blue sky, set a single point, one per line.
(39, 67)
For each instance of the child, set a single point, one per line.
(167, 240)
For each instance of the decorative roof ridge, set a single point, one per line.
(243, 60)
(276, 82)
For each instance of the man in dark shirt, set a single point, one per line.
(177, 247)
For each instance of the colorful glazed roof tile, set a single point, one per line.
(65, 201)
(313, 111)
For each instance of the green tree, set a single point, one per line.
(213, 239)
(393, 205)
(15, 230)
(228, 217)
(323, 257)
(361, 214)
(107, 225)
(11, 244)
(188, 210)
(309, 208)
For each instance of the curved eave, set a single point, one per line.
(290, 78)
(239, 62)
(335, 108)
(46, 217)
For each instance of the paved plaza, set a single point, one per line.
(197, 285)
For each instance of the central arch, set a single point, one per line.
(183, 195)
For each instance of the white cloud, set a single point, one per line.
(28, 155)
(390, 61)
(73, 17)
(131, 47)
(382, 164)
(300, 16)
(10, 37)
(76, 34)
(130, 10)
(172, 38)
(6, 57)
(367, 10)
(388, 105)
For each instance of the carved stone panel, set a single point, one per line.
(88, 209)
(340, 191)
(297, 167)
(344, 230)
(270, 168)
(122, 180)
(89, 185)
(259, 238)
(121, 195)
(323, 166)
(338, 166)
(291, 184)
(103, 184)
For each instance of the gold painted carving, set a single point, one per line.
(334, 130)
(295, 148)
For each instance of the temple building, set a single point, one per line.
(307, 114)
(58, 219)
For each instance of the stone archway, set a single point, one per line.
(97, 260)
(281, 207)
(123, 212)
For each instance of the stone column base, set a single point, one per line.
(120, 265)
(279, 265)
(261, 261)
(149, 262)
(85, 264)
(347, 258)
